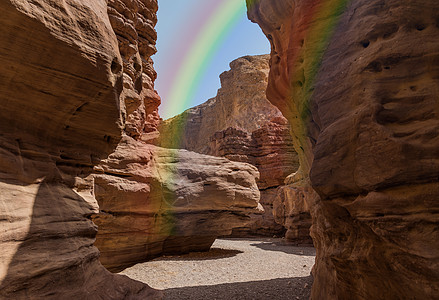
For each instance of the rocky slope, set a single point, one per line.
(241, 125)
(78, 108)
(358, 82)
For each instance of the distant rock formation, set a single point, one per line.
(241, 125)
(240, 103)
(78, 109)
(270, 149)
(358, 82)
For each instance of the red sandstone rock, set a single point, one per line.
(72, 87)
(140, 217)
(367, 124)
(241, 125)
(270, 149)
(240, 103)
(291, 208)
(157, 201)
(61, 76)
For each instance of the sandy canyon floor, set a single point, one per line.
(248, 268)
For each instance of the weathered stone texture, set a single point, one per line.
(157, 201)
(368, 125)
(60, 82)
(269, 148)
(241, 125)
(238, 104)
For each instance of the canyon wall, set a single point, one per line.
(240, 124)
(60, 77)
(358, 80)
(155, 201)
(79, 112)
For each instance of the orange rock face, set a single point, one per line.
(60, 90)
(78, 111)
(240, 103)
(241, 125)
(156, 201)
(358, 82)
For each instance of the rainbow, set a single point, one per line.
(318, 23)
(218, 21)
(319, 33)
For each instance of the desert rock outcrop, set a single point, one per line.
(60, 77)
(157, 201)
(358, 82)
(238, 104)
(153, 200)
(77, 91)
(241, 125)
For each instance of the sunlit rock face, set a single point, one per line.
(358, 82)
(240, 103)
(240, 124)
(271, 150)
(60, 87)
(157, 201)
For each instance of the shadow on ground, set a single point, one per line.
(286, 248)
(213, 253)
(275, 289)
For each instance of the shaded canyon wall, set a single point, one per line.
(358, 81)
(60, 87)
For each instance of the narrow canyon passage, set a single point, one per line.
(330, 140)
(234, 268)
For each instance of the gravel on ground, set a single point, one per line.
(234, 268)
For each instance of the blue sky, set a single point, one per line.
(245, 38)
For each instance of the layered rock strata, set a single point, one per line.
(157, 201)
(358, 82)
(240, 103)
(60, 86)
(241, 125)
(270, 149)
(78, 96)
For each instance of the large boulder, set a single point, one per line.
(157, 201)
(358, 82)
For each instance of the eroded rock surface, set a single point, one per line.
(60, 86)
(358, 82)
(238, 104)
(162, 201)
(79, 107)
(241, 125)
(270, 149)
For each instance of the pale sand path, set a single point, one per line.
(248, 268)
